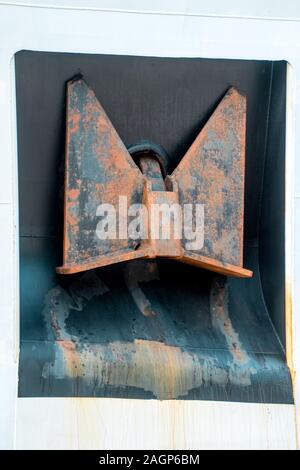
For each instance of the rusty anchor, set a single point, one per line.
(99, 169)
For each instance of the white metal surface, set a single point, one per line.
(88, 423)
(271, 9)
(183, 32)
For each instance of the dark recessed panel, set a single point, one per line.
(91, 334)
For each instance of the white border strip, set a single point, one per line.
(148, 12)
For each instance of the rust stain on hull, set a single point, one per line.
(221, 321)
(166, 371)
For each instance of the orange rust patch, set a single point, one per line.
(289, 331)
(74, 120)
(73, 193)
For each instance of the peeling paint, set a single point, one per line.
(59, 302)
(166, 371)
(136, 272)
(221, 321)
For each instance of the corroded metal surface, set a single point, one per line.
(99, 169)
(151, 329)
(165, 370)
(212, 173)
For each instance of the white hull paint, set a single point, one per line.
(89, 423)
(175, 29)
